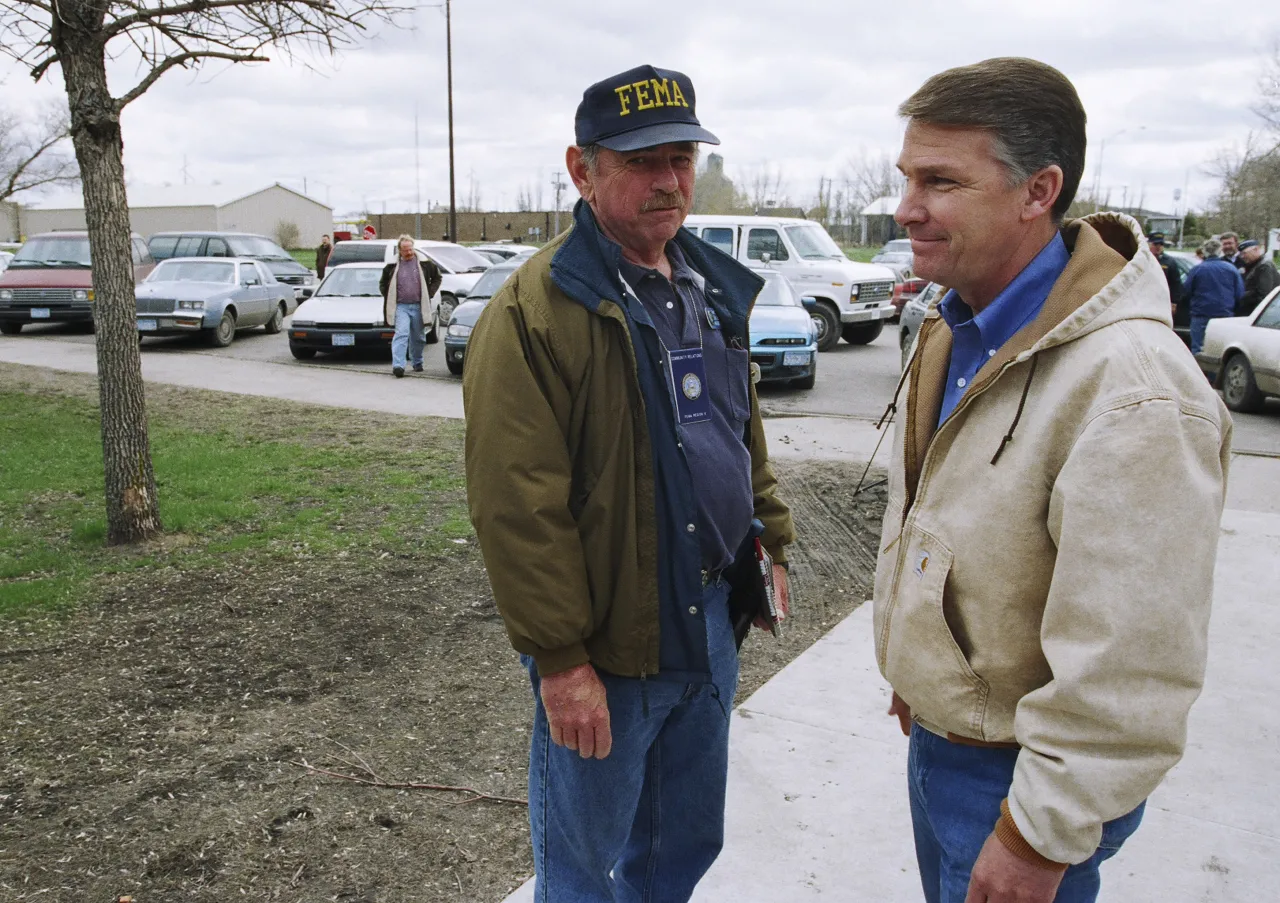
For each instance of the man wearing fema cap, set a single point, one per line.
(616, 471)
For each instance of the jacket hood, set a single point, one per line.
(1112, 276)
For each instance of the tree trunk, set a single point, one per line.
(133, 512)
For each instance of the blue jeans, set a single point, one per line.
(955, 802)
(408, 332)
(644, 824)
(1198, 325)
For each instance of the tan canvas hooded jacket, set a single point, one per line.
(1047, 555)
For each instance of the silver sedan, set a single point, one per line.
(213, 296)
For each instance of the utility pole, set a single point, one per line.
(448, 44)
(417, 178)
(558, 186)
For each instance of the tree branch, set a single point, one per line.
(182, 59)
(410, 785)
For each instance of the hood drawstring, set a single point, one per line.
(892, 409)
(1026, 389)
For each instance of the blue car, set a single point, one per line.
(784, 338)
(211, 296)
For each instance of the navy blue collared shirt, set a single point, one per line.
(975, 339)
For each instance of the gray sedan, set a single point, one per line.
(213, 296)
(913, 315)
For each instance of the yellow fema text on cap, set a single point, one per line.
(666, 93)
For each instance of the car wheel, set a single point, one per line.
(225, 332)
(827, 320)
(447, 304)
(10, 328)
(276, 323)
(1239, 389)
(807, 382)
(862, 333)
(433, 334)
(455, 367)
(301, 353)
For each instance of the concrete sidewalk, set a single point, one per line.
(817, 780)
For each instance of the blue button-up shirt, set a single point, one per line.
(975, 339)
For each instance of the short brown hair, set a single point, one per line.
(1031, 110)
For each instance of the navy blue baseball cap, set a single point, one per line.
(642, 107)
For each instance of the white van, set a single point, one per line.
(854, 299)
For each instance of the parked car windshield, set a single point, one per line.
(813, 243)
(897, 246)
(893, 257)
(358, 282)
(457, 258)
(488, 284)
(255, 246)
(193, 271)
(777, 292)
(53, 251)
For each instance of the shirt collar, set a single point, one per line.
(680, 269)
(1019, 301)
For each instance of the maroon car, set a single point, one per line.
(50, 280)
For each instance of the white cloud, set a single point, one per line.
(800, 85)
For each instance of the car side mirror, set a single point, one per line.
(765, 258)
(809, 302)
(251, 280)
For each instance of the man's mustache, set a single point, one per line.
(666, 200)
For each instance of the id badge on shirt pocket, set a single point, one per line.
(689, 382)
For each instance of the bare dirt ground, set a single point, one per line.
(152, 742)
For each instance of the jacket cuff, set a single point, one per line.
(1009, 835)
(553, 661)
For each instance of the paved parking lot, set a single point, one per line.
(853, 381)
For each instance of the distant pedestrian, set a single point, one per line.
(1155, 243)
(1046, 564)
(1213, 290)
(1260, 276)
(322, 255)
(407, 286)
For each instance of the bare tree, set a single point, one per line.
(32, 154)
(79, 36)
(1268, 106)
(765, 187)
(867, 177)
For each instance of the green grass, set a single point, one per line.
(860, 254)
(305, 256)
(232, 479)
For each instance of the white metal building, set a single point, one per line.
(168, 208)
(8, 221)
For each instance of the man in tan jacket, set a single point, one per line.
(1043, 588)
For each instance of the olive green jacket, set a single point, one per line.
(560, 475)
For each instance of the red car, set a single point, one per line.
(904, 291)
(50, 280)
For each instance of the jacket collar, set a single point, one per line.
(587, 267)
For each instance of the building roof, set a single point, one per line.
(150, 196)
(885, 206)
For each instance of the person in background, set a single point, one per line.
(1213, 290)
(407, 286)
(322, 256)
(1260, 276)
(1230, 248)
(1155, 243)
(1046, 563)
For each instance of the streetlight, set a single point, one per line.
(448, 44)
(1102, 147)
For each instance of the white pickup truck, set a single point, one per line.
(854, 299)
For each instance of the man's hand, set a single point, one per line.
(578, 711)
(1001, 877)
(783, 598)
(903, 711)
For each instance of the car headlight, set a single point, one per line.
(82, 294)
(190, 305)
(309, 279)
(6, 294)
(853, 292)
(304, 324)
(459, 331)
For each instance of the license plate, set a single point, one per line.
(795, 358)
(147, 325)
(343, 338)
(39, 313)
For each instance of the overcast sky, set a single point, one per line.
(797, 86)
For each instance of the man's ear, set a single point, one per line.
(576, 164)
(1042, 191)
